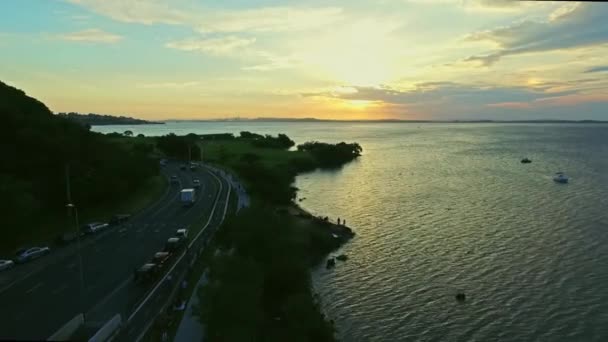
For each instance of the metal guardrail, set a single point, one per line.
(108, 330)
(67, 330)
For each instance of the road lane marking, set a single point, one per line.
(34, 288)
(87, 242)
(151, 293)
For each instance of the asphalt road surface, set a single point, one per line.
(39, 297)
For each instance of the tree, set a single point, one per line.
(36, 145)
(128, 133)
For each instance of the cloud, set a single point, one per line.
(600, 68)
(450, 100)
(136, 11)
(554, 101)
(264, 19)
(92, 36)
(272, 62)
(430, 92)
(568, 27)
(270, 19)
(170, 85)
(215, 46)
(483, 5)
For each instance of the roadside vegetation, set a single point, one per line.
(37, 147)
(259, 285)
(268, 166)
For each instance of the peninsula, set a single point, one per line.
(92, 119)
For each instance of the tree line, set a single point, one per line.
(36, 148)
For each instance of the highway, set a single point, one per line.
(39, 297)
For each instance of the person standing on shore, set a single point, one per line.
(338, 221)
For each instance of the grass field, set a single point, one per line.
(230, 152)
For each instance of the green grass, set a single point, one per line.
(234, 149)
(47, 233)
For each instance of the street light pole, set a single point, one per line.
(72, 208)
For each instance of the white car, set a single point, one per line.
(6, 264)
(94, 227)
(196, 183)
(182, 233)
(24, 255)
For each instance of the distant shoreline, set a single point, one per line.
(308, 120)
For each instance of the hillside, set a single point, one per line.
(100, 120)
(36, 146)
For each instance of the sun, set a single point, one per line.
(359, 104)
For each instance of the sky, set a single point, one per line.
(364, 59)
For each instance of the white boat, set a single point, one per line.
(560, 177)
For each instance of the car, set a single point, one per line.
(174, 179)
(94, 227)
(146, 273)
(196, 183)
(27, 254)
(6, 264)
(182, 167)
(160, 258)
(119, 218)
(163, 162)
(182, 233)
(66, 238)
(173, 244)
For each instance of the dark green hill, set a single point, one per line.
(36, 146)
(92, 119)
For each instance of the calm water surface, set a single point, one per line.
(442, 208)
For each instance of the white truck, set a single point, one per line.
(188, 197)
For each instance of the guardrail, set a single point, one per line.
(67, 330)
(108, 330)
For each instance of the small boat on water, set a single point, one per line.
(560, 177)
(526, 161)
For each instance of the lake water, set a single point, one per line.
(443, 208)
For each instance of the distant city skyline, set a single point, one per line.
(337, 60)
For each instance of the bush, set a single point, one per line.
(329, 155)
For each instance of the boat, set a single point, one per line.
(560, 177)
(526, 161)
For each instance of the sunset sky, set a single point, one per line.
(375, 59)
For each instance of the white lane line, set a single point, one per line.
(87, 242)
(151, 293)
(34, 288)
(27, 275)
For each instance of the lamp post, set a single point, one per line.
(72, 209)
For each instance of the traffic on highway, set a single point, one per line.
(112, 267)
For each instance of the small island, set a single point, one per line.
(92, 119)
